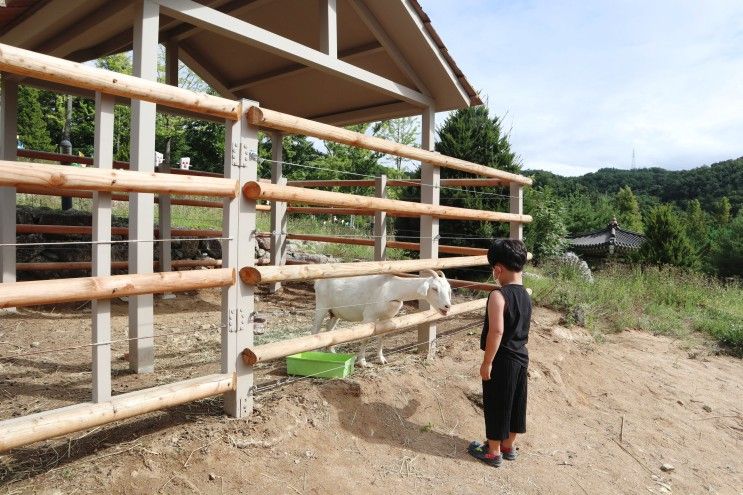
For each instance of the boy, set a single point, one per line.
(503, 370)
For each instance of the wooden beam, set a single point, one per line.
(39, 292)
(120, 231)
(283, 348)
(272, 192)
(250, 34)
(268, 274)
(381, 111)
(63, 178)
(394, 53)
(272, 119)
(115, 265)
(294, 69)
(394, 183)
(516, 205)
(32, 64)
(8, 136)
(25, 430)
(329, 28)
(233, 8)
(429, 224)
(205, 70)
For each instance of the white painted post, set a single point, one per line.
(239, 224)
(164, 206)
(101, 256)
(329, 27)
(278, 208)
(380, 221)
(517, 207)
(141, 205)
(9, 122)
(429, 230)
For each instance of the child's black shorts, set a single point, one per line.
(504, 399)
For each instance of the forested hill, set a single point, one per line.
(707, 184)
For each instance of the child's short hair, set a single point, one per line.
(509, 252)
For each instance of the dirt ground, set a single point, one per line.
(603, 416)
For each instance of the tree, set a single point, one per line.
(32, 130)
(403, 131)
(545, 235)
(628, 210)
(472, 135)
(696, 222)
(666, 242)
(727, 251)
(723, 215)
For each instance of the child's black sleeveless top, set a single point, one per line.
(516, 319)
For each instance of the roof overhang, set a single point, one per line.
(390, 62)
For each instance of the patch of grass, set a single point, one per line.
(664, 301)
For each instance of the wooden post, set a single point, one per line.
(380, 221)
(141, 205)
(164, 204)
(329, 28)
(241, 154)
(278, 208)
(429, 230)
(101, 256)
(516, 206)
(9, 108)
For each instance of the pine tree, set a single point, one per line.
(666, 242)
(724, 211)
(696, 223)
(628, 210)
(32, 130)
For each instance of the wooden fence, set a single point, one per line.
(237, 192)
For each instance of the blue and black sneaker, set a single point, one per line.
(480, 451)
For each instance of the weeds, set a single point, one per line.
(664, 301)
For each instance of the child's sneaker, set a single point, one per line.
(480, 451)
(510, 454)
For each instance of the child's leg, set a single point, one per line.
(507, 444)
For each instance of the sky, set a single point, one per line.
(581, 84)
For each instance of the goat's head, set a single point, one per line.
(436, 290)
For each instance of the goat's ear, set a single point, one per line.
(423, 288)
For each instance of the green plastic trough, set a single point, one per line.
(320, 364)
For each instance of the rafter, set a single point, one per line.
(252, 35)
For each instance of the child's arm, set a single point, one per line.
(496, 306)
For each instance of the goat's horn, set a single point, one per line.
(428, 270)
(441, 274)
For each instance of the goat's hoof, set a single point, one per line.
(363, 364)
(332, 349)
(382, 360)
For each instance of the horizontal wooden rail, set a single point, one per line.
(396, 183)
(75, 193)
(253, 275)
(25, 430)
(275, 192)
(47, 68)
(119, 231)
(65, 159)
(322, 210)
(359, 241)
(283, 348)
(40, 292)
(62, 178)
(123, 265)
(271, 119)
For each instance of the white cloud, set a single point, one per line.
(582, 84)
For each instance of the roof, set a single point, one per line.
(393, 39)
(600, 242)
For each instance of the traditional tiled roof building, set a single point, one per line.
(609, 241)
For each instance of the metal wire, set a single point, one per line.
(411, 182)
(123, 241)
(95, 344)
(265, 388)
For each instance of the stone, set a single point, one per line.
(707, 408)
(35, 344)
(667, 468)
(212, 476)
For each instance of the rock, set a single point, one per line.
(667, 468)
(35, 344)
(212, 476)
(205, 326)
(680, 402)
(707, 408)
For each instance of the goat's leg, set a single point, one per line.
(361, 357)
(380, 356)
(319, 317)
(332, 323)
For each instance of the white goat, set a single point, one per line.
(373, 298)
